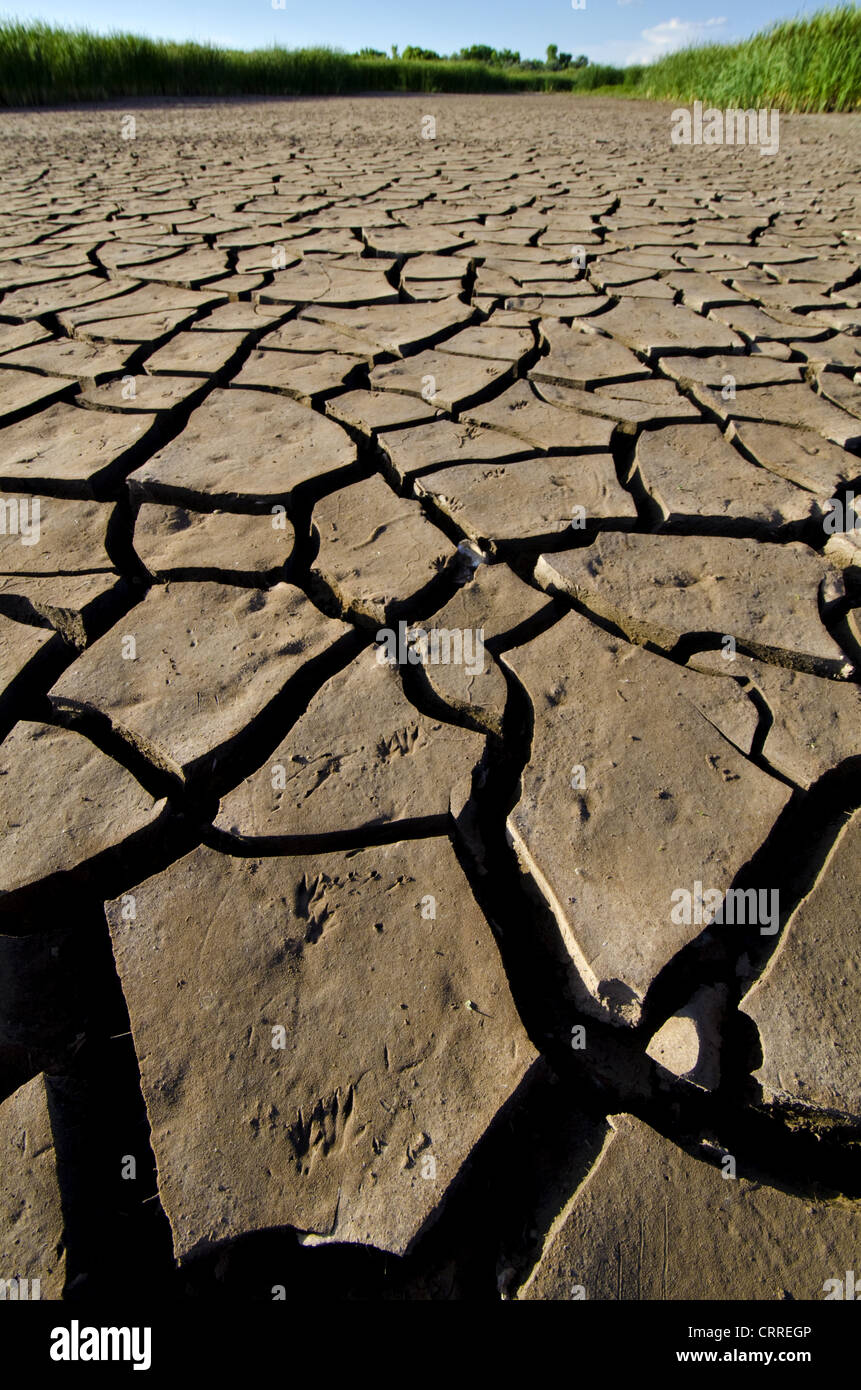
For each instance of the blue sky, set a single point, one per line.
(613, 31)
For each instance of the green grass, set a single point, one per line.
(811, 64)
(41, 65)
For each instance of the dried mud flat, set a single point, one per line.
(321, 974)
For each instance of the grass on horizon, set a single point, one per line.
(41, 64)
(808, 64)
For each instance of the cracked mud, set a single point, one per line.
(430, 659)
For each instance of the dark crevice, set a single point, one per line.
(359, 837)
(114, 1227)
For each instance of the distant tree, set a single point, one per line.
(581, 61)
(557, 61)
(394, 50)
(413, 54)
(477, 53)
(494, 57)
(370, 53)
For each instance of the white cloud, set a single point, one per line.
(668, 36)
(677, 33)
(655, 42)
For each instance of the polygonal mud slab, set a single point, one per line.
(186, 270)
(65, 450)
(828, 271)
(196, 353)
(767, 329)
(701, 291)
(398, 328)
(138, 330)
(20, 335)
(660, 588)
(302, 335)
(118, 254)
(170, 540)
(800, 455)
(646, 235)
(801, 296)
(505, 344)
(692, 471)
(53, 536)
(360, 755)
(815, 723)
(412, 241)
(433, 267)
(798, 406)
(521, 412)
(807, 1003)
(648, 288)
(409, 452)
(90, 803)
(631, 793)
(35, 301)
(632, 404)
(514, 256)
(340, 1021)
(239, 318)
(142, 393)
(616, 278)
(650, 1222)
(445, 380)
(19, 644)
(22, 390)
(203, 661)
(657, 329)
(725, 373)
(428, 290)
(373, 411)
(577, 303)
(840, 351)
(304, 376)
(535, 500)
(584, 360)
(32, 1253)
(244, 445)
(841, 391)
(377, 550)
(313, 282)
(688, 1045)
(157, 302)
(66, 357)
